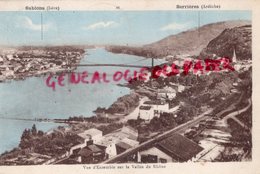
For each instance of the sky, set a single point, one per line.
(103, 27)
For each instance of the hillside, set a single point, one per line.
(238, 39)
(188, 42)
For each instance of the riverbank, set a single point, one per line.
(137, 51)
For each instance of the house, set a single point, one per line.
(159, 105)
(91, 154)
(126, 134)
(87, 137)
(234, 90)
(9, 57)
(1, 60)
(146, 112)
(235, 84)
(3, 68)
(166, 93)
(8, 73)
(17, 68)
(6, 67)
(174, 148)
(85, 156)
(91, 134)
(177, 87)
(109, 144)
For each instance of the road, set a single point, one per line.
(178, 129)
(234, 114)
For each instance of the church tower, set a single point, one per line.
(234, 58)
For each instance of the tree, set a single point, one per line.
(34, 130)
(25, 139)
(40, 133)
(155, 124)
(26, 134)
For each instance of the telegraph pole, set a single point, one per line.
(199, 24)
(151, 84)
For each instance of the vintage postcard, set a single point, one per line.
(117, 87)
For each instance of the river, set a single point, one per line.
(31, 98)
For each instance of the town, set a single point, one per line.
(30, 61)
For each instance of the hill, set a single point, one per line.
(237, 38)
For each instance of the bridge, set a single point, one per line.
(115, 65)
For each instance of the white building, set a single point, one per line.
(166, 94)
(109, 142)
(1, 60)
(177, 87)
(8, 73)
(151, 109)
(181, 88)
(9, 56)
(158, 105)
(146, 112)
(125, 135)
(90, 134)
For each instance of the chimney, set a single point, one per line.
(90, 142)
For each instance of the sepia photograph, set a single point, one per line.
(102, 88)
(125, 87)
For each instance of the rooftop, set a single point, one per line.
(107, 140)
(85, 152)
(94, 148)
(145, 107)
(131, 132)
(89, 133)
(155, 102)
(123, 145)
(179, 146)
(126, 132)
(166, 91)
(131, 142)
(129, 129)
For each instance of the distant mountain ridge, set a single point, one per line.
(190, 42)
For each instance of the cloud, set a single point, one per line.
(102, 24)
(26, 22)
(175, 26)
